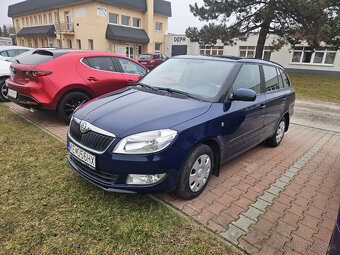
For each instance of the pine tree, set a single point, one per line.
(313, 21)
(4, 31)
(0, 31)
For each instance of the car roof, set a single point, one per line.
(13, 47)
(230, 59)
(61, 51)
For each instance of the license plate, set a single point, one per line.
(144, 63)
(12, 93)
(82, 155)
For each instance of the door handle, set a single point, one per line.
(92, 79)
(262, 106)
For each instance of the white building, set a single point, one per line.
(325, 60)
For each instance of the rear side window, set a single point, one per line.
(248, 78)
(285, 79)
(271, 78)
(131, 67)
(100, 63)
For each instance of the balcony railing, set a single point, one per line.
(64, 27)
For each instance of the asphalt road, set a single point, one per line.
(317, 114)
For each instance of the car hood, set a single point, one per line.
(132, 111)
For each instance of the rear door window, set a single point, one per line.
(271, 78)
(285, 79)
(100, 63)
(3, 53)
(248, 78)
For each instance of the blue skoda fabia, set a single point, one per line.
(173, 129)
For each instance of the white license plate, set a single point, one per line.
(12, 93)
(144, 63)
(84, 156)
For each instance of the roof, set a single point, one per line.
(230, 58)
(161, 7)
(46, 30)
(130, 34)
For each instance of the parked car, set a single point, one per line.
(334, 244)
(5, 73)
(179, 123)
(62, 80)
(152, 60)
(7, 52)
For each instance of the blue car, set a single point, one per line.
(173, 129)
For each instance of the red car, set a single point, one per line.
(62, 80)
(151, 60)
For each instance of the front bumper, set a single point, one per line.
(112, 170)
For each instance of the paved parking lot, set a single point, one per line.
(267, 201)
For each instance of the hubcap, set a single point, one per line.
(280, 131)
(3, 90)
(199, 173)
(72, 104)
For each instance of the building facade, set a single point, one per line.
(124, 27)
(325, 60)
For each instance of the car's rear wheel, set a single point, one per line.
(195, 172)
(69, 103)
(3, 90)
(276, 139)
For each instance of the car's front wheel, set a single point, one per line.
(276, 139)
(3, 90)
(195, 172)
(69, 103)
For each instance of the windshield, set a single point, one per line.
(145, 56)
(197, 77)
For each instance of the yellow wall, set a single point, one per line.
(94, 27)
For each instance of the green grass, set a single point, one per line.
(46, 208)
(317, 87)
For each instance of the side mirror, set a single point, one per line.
(244, 95)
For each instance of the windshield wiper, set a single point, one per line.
(146, 86)
(178, 92)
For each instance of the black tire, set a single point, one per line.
(69, 103)
(186, 190)
(3, 90)
(280, 130)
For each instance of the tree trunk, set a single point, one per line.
(262, 39)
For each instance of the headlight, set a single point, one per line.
(147, 142)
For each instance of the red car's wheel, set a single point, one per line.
(69, 103)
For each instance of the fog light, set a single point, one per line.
(143, 179)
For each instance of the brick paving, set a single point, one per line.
(280, 200)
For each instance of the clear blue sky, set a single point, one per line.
(180, 20)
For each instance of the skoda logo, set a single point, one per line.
(84, 127)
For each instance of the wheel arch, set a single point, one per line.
(286, 116)
(216, 148)
(69, 89)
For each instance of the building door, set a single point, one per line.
(68, 21)
(129, 51)
(179, 50)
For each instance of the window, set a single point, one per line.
(131, 67)
(50, 18)
(42, 42)
(158, 27)
(271, 78)
(91, 47)
(40, 20)
(56, 17)
(3, 53)
(27, 21)
(321, 56)
(136, 22)
(100, 63)
(30, 43)
(23, 42)
(211, 50)
(70, 43)
(23, 22)
(35, 20)
(50, 42)
(250, 51)
(248, 78)
(31, 20)
(157, 47)
(59, 43)
(79, 44)
(285, 79)
(113, 18)
(125, 20)
(45, 19)
(18, 24)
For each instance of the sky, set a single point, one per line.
(180, 20)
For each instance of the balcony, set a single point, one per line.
(64, 28)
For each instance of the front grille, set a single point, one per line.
(108, 178)
(91, 140)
